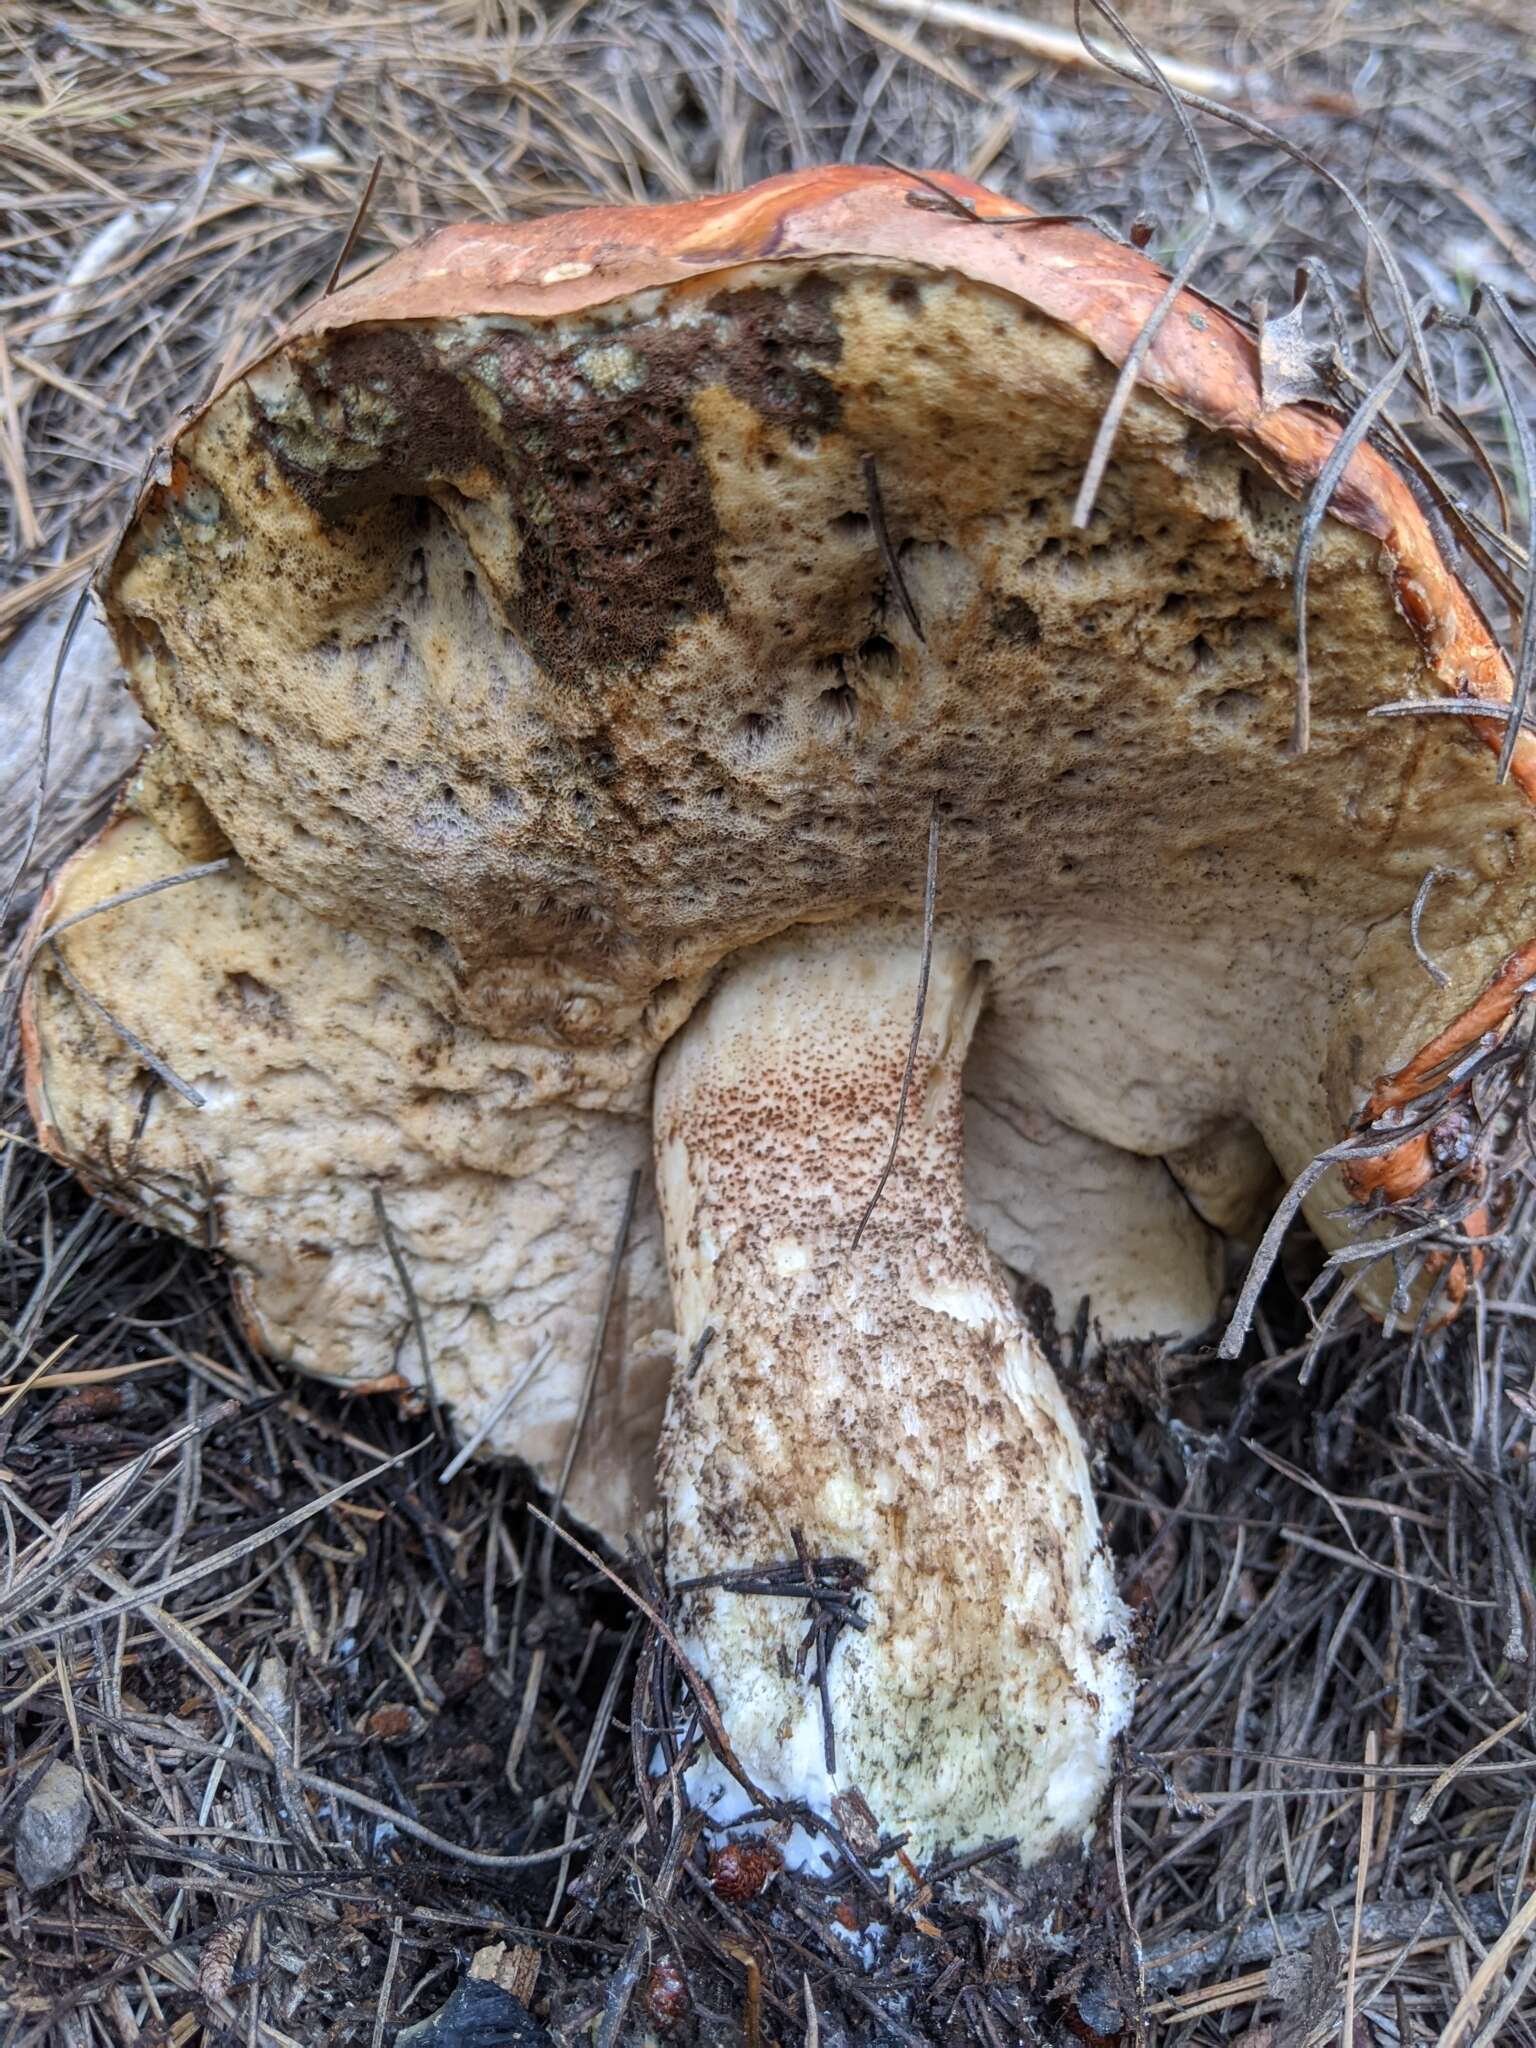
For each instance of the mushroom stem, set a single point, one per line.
(884, 1404)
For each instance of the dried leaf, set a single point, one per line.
(1295, 367)
(852, 1813)
(1307, 1987)
(510, 1969)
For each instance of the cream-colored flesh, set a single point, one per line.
(335, 1073)
(1087, 1220)
(333, 1066)
(886, 1401)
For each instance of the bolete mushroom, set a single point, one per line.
(578, 630)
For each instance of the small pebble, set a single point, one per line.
(52, 1829)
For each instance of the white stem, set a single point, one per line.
(887, 1402)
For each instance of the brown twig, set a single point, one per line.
(349, 240)
(930, 898)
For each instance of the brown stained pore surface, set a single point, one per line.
(1203, 360)
(594, 446)
(529, 597)
(633, 684)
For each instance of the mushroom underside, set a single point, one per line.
(361, 1160)
(614, 644)
(363, 1156)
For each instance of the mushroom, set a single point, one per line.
(580, 635)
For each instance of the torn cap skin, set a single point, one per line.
(570, 609)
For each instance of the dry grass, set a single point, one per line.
(323, 1702)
